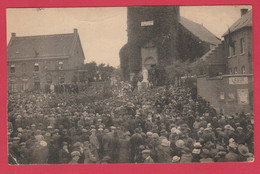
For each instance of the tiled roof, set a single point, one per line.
(45, 46)
(199, 31)
(244, 21)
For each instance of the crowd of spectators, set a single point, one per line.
(160, 125)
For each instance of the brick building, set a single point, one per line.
(159, 35)
(227, 81)
(36, 61)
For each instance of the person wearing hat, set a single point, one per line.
(250, 138)
(52, 120)
(243, 153)
(89, 156)
(205, 156)
(135, 141)
(115, 146)
(186, 156)
(106, 143)
(220, 156)
(75, 155)
(176, 159)
(148, 139)
(38, 135)
(164, 152)
(230, 131)
(124, 142)
(105, 160)
(41, 153)
(196, 154)
(64, 155)
(146, 156)
(100, 134)
(94, 142)
(84, 135)
(179, 145)
(232, 155)
(240, 136)
(23, 157)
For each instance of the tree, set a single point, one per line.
(177, 70)
(157, 75)
(101, 72)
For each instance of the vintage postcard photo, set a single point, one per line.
(106, 85)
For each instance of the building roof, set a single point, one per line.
(244, 21)
(44, 46)
(199, 31)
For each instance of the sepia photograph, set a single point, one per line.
(130, 85)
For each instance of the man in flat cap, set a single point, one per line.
(94, 142)
(75, 155)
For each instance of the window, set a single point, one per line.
(243, 70)
(235, 70)
(12, 70)
(12, 86)
(242, 45)
(230, 71)
(232, 49)
(60, 65)
(36, 67)
(25, 84)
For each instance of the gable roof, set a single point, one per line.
(44, 46)
(199, 31)
(244, 21)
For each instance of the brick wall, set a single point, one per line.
(223, 95)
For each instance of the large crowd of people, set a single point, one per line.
(161, 125)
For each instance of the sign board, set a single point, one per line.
(146, 23)
(238, 80)
(222, 95)
(242, 96)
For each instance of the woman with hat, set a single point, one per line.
(179, 145)
(164, 152)
(243, 153)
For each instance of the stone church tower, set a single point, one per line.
(159, 36)
(152, 38)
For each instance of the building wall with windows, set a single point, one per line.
(35, 62)
(233, 91)
(240, 52)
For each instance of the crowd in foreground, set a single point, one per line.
(160, 125)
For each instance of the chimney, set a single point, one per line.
(75, 30)
(13, 34)
(243, 11)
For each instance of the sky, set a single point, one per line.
(102, 30)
